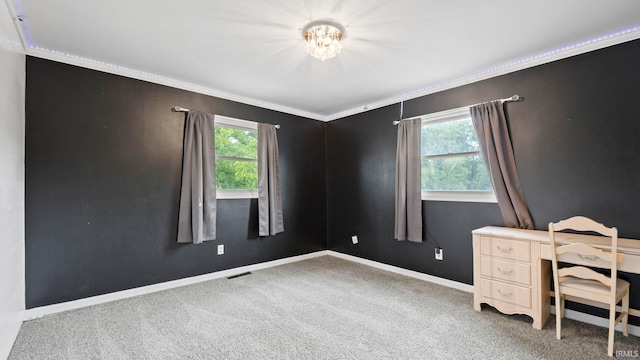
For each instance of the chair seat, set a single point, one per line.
(594, 286)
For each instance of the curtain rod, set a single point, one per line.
(181, 109)
(513, 98)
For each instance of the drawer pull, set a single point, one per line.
(504, 250)
(588, 257)
(505, 272)
(505, 294)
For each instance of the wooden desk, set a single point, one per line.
(512, 268)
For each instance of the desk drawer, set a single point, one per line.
(512, 294)
(505, 248)
(506, 270)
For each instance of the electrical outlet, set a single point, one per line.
(439, 254)
(354, 239)
(220, 249)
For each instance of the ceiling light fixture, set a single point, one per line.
(323, 38)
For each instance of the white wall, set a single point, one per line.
(12, 86)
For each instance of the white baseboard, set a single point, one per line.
(592, 319)
(570, 314)
(39, 312)
(405, 272)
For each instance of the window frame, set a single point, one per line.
(452, 195)
(229, 122)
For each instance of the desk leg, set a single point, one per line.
(477, 291)
(543, 300)
(545, 288)
(541, 273)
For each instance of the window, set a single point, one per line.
(236, 158)
(452, 165)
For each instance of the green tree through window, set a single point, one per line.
(451, 159)
(236, 158)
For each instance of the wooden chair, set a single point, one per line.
(582, 282)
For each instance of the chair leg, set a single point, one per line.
(625, 319)
(559, 306)
(612, 329)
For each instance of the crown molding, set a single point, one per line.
(48, 54)
(506, 68)
(10, 24)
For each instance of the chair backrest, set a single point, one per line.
(580, 253)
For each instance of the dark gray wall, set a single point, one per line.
(103, 170)
(575, 138)
(104, 157)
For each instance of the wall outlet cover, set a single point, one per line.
(354, 239)
(220, 249)
(439, 254)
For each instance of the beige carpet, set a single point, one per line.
(323, 308)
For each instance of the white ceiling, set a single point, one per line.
(252, 51)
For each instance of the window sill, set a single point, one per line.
(236, 194)
(463, 196)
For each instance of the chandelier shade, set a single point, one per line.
(323, 38)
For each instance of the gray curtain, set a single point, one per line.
(197, 216)
(408, 188)
(269, 200)
(490, 123)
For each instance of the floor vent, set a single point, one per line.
(238, 275)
